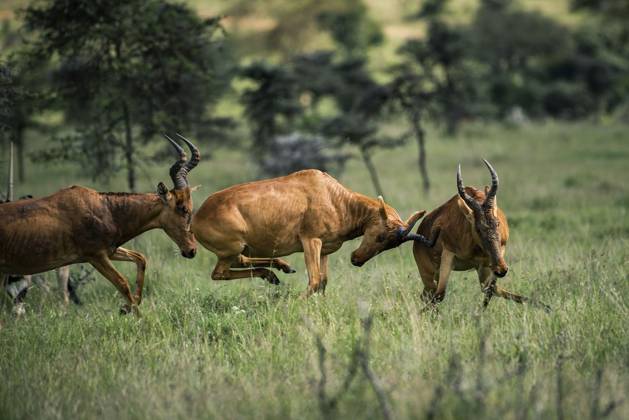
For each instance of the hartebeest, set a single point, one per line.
(16, 286)
(474, 234)
(248, 226)
(79, 224)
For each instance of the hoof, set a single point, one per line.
(126, 309)
(289, 270)
(18, 310)
(272, 278)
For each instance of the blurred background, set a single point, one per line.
(388, 96)
(87, 86)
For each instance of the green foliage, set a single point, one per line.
(448, 76)
(285, 99)
(129, 68)
(351, 27)
(271, 104)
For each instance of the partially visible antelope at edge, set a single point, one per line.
(17, 285)
(474, 235)
(80, 225)
(248, 226)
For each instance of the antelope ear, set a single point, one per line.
(162, 191)
(196, 187)
(486, 190)
(383, 209)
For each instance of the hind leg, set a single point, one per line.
(276, 263)
(324, 273)
(428, 276)
(312, 255)
(63, 276)
(223, 271)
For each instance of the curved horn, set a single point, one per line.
(429, 243)
(175, 170)
(471, 203)
(490, 199)
(410, 223)
(196, 156)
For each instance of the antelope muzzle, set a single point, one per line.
(189, 253)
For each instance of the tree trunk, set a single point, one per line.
(129, 150)
(420, 136)
(19, 144)
(372, 171)
(10, 186)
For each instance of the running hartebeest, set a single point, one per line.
(78, 224)
(474, 234)
(249, 225)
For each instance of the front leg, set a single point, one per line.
(312, 255)
(324, 272)
(63, 278)
(104, 266)
(487, 280)
(123, 254)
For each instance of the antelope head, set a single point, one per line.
(176, 215)
(385, 231)
(484, 220)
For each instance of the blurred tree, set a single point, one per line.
(442, 59)
(429, 9)
(297, 25)
(617, 10)
(284, 100)
(517, 47)
(414, 95)
(602, 57)
(296, 151)
(271, 104)
(23, 94)
(351, 27)
(361, 103)
(126, 70)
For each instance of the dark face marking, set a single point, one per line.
(487, 227)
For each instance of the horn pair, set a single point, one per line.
(179, 170)
(490, 198)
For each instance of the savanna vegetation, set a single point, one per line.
(390, 107)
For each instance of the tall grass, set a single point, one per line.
(206, 349)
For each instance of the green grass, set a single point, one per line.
(205, 349)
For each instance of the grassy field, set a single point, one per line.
(205, 349)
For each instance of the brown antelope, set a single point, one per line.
(16, 286)
(79, 224)
(474, 234)
(249, 225)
